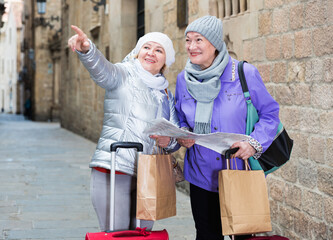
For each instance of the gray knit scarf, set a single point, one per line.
(205, 91)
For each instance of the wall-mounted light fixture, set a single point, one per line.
(41, 7)
(42, 21)
(97, 4)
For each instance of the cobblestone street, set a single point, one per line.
(44, 190)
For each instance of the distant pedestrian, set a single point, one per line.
(27, 105)
(136, 93)
(210, 99)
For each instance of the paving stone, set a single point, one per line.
(45, 185)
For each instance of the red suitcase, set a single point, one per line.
(275, 237)
(138, 234)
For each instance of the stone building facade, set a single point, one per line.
(12, 55)
(41, 71)
(45, 79)
(18, 8)
(289, 41)
(8, 63)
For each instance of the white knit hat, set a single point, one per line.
(161, 39)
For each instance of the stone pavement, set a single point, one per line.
(44, 185)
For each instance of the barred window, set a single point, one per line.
(231, 8)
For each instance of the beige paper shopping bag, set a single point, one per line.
(244, 202)
(156, 191)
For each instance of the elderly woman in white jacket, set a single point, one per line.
(136, 92)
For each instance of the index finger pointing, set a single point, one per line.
(77, 30)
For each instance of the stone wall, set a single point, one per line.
(293, 52)
(289, 41)
(81, 99)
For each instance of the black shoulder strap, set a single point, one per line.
(242, 77)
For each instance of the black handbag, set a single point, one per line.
(278, 153)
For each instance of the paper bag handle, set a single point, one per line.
(159, 151)
(228, 155)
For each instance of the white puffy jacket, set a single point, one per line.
(129, 106)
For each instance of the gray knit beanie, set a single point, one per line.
(210, 27)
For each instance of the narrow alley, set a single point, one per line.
(44, 190)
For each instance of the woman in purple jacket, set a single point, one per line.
(209, 98)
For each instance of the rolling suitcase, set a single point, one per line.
(274, 237)
(228, 155)
(138, 234)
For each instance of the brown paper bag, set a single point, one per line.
(156, 191)
(244, 202)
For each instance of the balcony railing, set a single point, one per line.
(232, 8)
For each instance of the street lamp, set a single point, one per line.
(41, 7)
(41, 21)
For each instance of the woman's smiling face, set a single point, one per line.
(152, 57)
(199, 50)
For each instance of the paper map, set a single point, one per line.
(219, 142)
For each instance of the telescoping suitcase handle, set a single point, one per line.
(228, 154)
(113, 148)
(138, 146)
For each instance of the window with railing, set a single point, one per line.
(232, 8)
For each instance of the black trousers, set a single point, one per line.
(206, 214)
